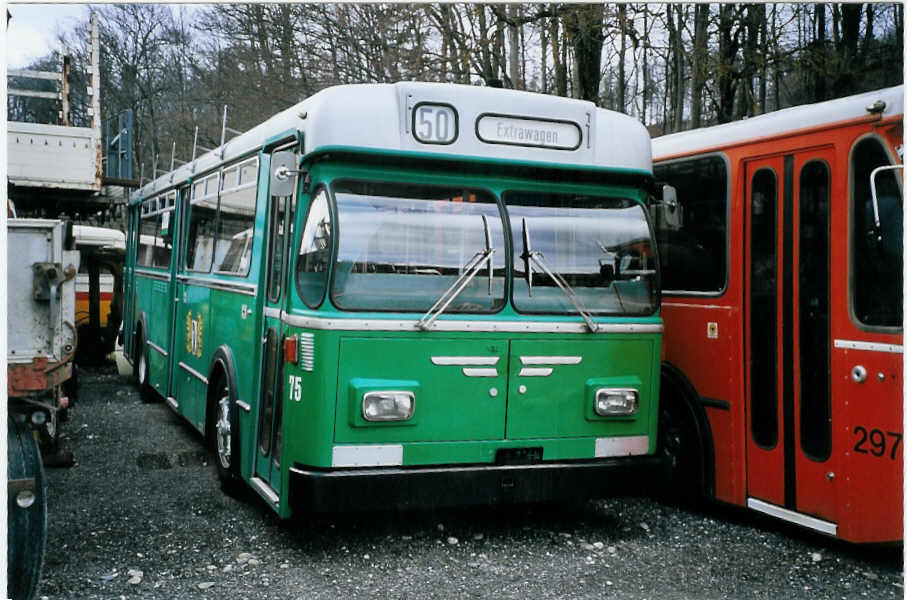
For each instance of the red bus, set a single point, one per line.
(782, 381)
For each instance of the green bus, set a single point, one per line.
(436, 294)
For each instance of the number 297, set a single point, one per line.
(877, 442)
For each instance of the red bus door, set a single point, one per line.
(790, 471)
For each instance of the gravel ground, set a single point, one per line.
(141, 515)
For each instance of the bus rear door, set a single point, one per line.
(790, 465)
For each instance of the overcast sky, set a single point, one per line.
(32, 31)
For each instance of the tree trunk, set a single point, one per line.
(700, 60)
(820, 73)
(513, 35)
(585, 27)
(763, 57)
(728, 44)
(845, 81)
(557, 48)
(746, 106)
(867, 37)
(675, 41)
(543, 33)
(497, 55)
(645, 61)
(621, 59)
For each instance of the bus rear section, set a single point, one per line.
(783, 312)
(442, 304)
(99, 296)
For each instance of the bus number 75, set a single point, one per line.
(295, 382)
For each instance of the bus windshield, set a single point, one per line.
(401, 247)
(600, 247)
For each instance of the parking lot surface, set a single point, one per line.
(141, 515)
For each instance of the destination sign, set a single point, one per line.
(516, 131)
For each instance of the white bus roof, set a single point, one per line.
(802, 117)
(86, 235)
(378, 117)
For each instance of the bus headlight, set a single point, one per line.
(616, 402)
(388, 406)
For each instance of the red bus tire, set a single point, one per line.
(685, 440)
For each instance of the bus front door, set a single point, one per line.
(266, 476)
(790, 465)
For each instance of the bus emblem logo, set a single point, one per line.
(194, 335)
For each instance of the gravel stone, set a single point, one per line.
(145, 485)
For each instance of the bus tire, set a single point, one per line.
(682, 441)
(26, 515)
(141, 369)
(224, 433)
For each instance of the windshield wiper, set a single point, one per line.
(530, 256)
(474, 265)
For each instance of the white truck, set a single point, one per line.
(41, 343)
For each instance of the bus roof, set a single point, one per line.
(802, 117)
(86, 235)
(379, 117)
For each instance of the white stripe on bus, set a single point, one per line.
(870, 346)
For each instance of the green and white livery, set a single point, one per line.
(438, 294)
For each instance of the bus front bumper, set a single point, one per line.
(341, 490)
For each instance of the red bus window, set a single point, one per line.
(764, 302)
(694, 257)
(814, 267)
(876, 265)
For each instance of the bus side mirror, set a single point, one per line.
(283, 173)
(667, 212)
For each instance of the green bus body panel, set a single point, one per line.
(448, 406)
(457, 420)
(152, 299)
(562, 404)
(191, 393)
(451, 405)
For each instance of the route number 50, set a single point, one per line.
(435, 124)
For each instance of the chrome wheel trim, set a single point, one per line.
(143, 367)
(222, 431)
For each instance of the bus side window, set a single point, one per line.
(164, 242)
(694, 255)
(200, 240)
(314, 252)
(236, 221)
(877, 274)
(147, 234)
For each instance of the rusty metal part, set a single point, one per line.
(38, 376)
